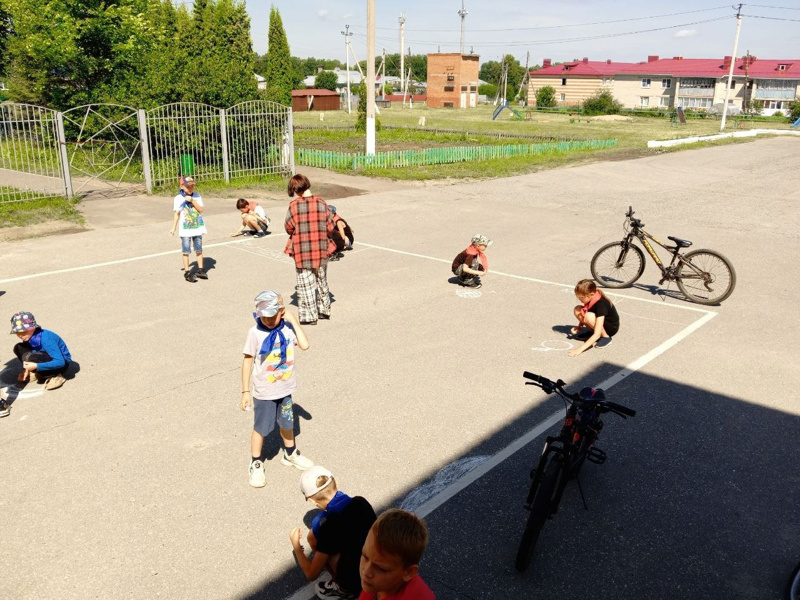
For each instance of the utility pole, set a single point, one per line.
(383, 75)
(463, 14)
(346, 33)
(745, 92)
(524, 77)
(370, 77)
(402, 46)
(733, 65)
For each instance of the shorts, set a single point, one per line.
(268, 412)
(186, 244)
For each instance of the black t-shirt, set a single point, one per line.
(344, 533)
(604, 308)
(464, 258)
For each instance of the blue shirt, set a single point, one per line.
(47, 341)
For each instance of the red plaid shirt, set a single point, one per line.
(308, 223)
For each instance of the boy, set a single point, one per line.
(40, 351)
(472, 262)
(187, 207)
(390, 558)
(269, 361)
(254, 219)
(336, 537)
(341, 232)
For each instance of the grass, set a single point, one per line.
(270, 183)
(31, 212)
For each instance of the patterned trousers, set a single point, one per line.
(313, 296)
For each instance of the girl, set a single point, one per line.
(595, 312)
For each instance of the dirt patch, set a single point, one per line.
(11, 234)
(334, 191)
(611, 118)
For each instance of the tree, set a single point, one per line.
(546, 97)
(361, 119)
(601, 104)
(279, 73)
(6, 30)
(490, 72)
(326, 80)
(487, 89)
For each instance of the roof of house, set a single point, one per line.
(313, 92)
(585, 67)
(341, 77)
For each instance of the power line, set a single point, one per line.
(775, 7)
(771, 18)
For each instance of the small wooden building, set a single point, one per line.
(315, 99)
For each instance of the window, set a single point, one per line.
(563, 81)
(644, 101)
(695, 82)
(663, 102)
(691, 102)
(733, 84)
(776, 84)
(448, 105)
(463, 88)
(451, 77)
(781, 67)
(646, 83)
(666, 84)
(563, 97)
(449, 88)
(776, 104)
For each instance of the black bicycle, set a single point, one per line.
(563, 456)
(703, 276)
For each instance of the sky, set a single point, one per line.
(554, 29)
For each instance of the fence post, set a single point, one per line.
(290, 127)
(62, 153)
(145, 146)
(223, 129)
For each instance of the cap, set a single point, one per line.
(268, 303)
(23, 321)
(481, 240)
(308, 480)
(187, 179)
(333, 208)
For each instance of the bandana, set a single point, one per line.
(36, 339)
(472, 249)
(269, 342)
(594, 300)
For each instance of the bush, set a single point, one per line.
(794, 111)
(546, 97)
(326, 80)
(488, 89)
(361, 119)
(601, 104)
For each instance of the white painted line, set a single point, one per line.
(127, 260)
(308, 592)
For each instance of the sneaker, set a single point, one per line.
(190, 277)
(201, 274)
(329, 589)
(602, 342)
(5, 409)
(323, 316)
(257, 476)
(295, 460)
(308, 322)
(334, 257)
(53, 383)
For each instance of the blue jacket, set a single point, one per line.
(47, 341)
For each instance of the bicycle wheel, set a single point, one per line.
(706, 277)
(793, 588)
(540, 510)
(616, 266)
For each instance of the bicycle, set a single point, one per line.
(703, 276)
(563, 456)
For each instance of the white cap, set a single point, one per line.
(268, 303)
(308, 480)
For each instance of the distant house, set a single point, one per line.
(341, 80)
(260, 81)
(452, 80)
(315, 99)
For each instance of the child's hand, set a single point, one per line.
(574, 352)
(246, 401)
(290, 317)
(29, 366)
(295, 535)
(172, 231)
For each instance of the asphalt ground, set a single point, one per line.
(131, 480)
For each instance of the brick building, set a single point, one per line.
(453, 80)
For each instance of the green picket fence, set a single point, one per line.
(438, 156)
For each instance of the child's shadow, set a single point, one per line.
(12, 387)
(208, 264)
(295, 302)
(454, 280)
(272, 443)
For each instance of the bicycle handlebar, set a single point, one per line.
(558, 386)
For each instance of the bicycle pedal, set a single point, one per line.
(596, 456)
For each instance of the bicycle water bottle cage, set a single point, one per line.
(596, 456)
(681, 243)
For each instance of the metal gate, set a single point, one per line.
(260, 139)
(104, 149)
(31, 153)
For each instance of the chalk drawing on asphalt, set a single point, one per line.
(553, 345)
(440, 481)
(471, 294)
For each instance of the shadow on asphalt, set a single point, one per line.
(699, 498)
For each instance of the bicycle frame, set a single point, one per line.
(668, 273)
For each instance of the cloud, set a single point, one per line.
(684, 33)
(325, 15)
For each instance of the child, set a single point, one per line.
(254, 219)
(40, 351)
(336, 537)
(341, 232)
(269, 361)
(597, 313)
(472, 262)
(390, 558)
(188, 220)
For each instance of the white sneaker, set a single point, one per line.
(257, 476)
(329, 589)
(295, 460)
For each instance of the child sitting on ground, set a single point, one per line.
(597, 313)
(336, 537)
(269, 361)
(342, 235)
(40, 351)
(254, 219)
(472, 262)
(390, 558)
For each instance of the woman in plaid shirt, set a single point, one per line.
(309, 224)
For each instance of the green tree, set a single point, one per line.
(490, 72)
(279, 72)
(603, 103)
(546, 97)
(6, 30)
(487, 89)
(326, 80)
(361, 119)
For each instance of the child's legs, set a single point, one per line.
(21, 349)
(251, 221)
(350, 237)
(323, 293)
(256, 444)
(264, 415)
(465, 277)
(186, 248)
(284, 417)
(578, 312)
(198, 249)
(332, 564)
(338, 240)
(590, 320)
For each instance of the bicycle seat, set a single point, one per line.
(681, 243)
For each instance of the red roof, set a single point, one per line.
(313, 92)
(399, 97)
(678, 66)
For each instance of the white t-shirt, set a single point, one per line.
(259, 210)
(190, 222)
(271, 380)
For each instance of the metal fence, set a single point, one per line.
(99, 147)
